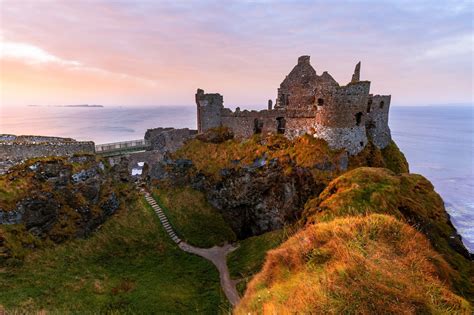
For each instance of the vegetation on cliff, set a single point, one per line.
(370, 239)
(248, 258)
(408, 197)
(372, 264)
(374, 242)
(210, 157)
(128, 266)
(193, 218)
(55, 199)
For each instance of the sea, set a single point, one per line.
(438, 141)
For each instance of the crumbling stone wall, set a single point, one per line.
(24, 147)
(209, 108)
(32, 150)
(309, 103)
(14, 149)
(378, 107)
(168, 139)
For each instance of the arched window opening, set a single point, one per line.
(281, 125)
(358, 117)
(257, 126)
(369, 106)
(382, 103)
(320, 102)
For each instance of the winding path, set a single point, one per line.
(217, 254)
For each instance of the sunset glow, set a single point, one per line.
(159, 53)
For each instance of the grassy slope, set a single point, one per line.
(248, 258)
(366, 265)
(389, 157)
(129, 264)
(408, 197)
(193, 218)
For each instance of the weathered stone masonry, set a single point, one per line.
(345, 116)
(15, 149)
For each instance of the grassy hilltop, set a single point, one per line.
(373, 239)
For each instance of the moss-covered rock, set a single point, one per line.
(55, 199)
(389, 157)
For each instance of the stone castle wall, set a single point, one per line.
(377, 120)
(15, 149)
(347, 117)
(209, 108)
(168, 139)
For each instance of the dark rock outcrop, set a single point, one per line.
(66, 198)
(253, 199)
(262, 197)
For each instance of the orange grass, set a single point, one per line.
(367, 265)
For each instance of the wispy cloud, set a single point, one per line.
(243, 49)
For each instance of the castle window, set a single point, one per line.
(369, 106)
(361, 144)
(320, 102)
(284, 99)
(358, 117)
(281, 125)
(257, 126)
(382, 103)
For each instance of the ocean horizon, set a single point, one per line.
(438, 141)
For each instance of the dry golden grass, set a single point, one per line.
(366, 265)
(408, 197)
(304, 151)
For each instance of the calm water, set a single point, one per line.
(437, 141)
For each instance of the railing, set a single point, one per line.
(133, 145)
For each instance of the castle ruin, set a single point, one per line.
(347, 117)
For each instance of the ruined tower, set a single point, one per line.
(347, 117)
(209, 108)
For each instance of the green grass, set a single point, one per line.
(129, 265)
(193, 218)
(248, 258)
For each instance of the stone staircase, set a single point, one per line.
(216, 254)
(164, 220)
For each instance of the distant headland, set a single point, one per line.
(79, 105)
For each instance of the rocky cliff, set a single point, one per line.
(56, 199)
(262, 183)
(374, 242)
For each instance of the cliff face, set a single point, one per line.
(56, 199)
(375, 242)
(262, 183)
(262, 197)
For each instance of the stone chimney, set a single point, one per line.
(356, 75)
(303, 60)
(270, 104)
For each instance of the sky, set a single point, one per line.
(152, 53)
